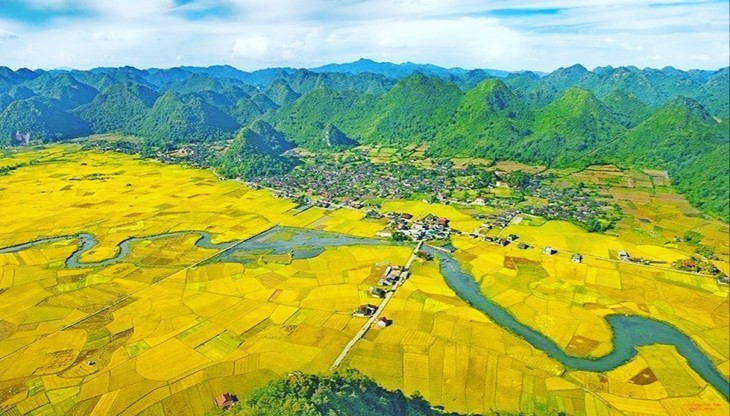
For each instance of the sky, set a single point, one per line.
(253, 34)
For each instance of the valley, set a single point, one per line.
(161, 286)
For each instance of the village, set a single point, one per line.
(365, 185)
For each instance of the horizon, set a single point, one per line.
(590, 69)
(532, 36)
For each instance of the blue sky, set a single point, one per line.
(251, 34)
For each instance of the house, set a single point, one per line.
(384, 322)
(386, 282)
(548, 250)
(576, 258)
(406, 216)
(442, 222)
(623, 255)
(512, 237)
(394, 273)
(502, 242)
(225, 400)
(376, 292)
(523, 246)
(365, 310)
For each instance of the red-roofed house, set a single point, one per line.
(225, 400)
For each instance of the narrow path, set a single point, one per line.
(376, 315)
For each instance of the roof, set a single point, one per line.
(225, 400)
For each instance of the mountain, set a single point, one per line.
(683, 138)
(281, 93)
(176, 118)
(40, 118)
(654, 118)
(334, 138)
(713, 94)
(119, 108)
(21, 75)
(397, 71)
(64, 88)
(681, 130)
(304, 119)
(632, 81)
(246, 110)
(573, 76)
(627, 107)
(257, 150)
(303, 81)
(488, 121)
(259, 78)
(5, 101)
(705, 181)
(412, 111)
(569, 129)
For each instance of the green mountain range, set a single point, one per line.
(652, 118)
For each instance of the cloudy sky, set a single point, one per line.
(253, 34)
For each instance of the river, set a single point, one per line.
(629, 331)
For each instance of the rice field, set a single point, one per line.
(162, 331)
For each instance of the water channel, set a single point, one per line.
(629, 331)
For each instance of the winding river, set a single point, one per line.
(629, 332)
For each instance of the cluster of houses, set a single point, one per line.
(569, 204)
(511, 238)
(500, 220)
(333, 182)
(360, 179)
(504, 241)
(429, 228)
(392, 276)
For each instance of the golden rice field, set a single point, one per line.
(163, 332)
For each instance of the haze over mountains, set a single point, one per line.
(655, 118)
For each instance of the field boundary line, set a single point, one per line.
(366, 326)
(124, 298)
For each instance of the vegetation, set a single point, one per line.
(256, 151)
(343, 393)
(164, 331)
(661, 119)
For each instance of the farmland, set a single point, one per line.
(164, 330)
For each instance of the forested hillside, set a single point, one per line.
(653, 118)
(343, 393)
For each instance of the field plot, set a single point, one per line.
(457, 220)
(164, 329)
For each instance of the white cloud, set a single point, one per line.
(5, 35)
(252, 34)
(106, 37)
(255, 47)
